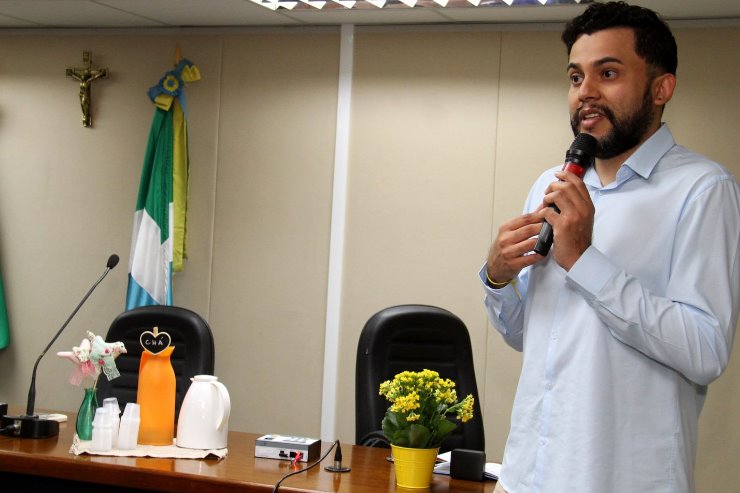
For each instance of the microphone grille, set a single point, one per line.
(112, 261)
(585, 143)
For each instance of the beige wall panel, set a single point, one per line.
(705, 109)
(533, 135)
(704, 116)
(67, 193)
(420, 180)
(271, 241)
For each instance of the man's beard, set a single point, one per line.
(627, 132)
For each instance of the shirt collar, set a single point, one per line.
(645, 158)
(642, 162)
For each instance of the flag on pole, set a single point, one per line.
(159, 232)
(4, 327)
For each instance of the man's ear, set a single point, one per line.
(662, 87)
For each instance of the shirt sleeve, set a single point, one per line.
(505, 308)
(691, 326)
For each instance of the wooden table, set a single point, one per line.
(49, 459)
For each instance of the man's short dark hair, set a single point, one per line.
(654, 41)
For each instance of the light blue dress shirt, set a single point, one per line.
(617, 352)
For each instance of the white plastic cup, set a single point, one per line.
(128, 431)
(102, 434)
(111, 405)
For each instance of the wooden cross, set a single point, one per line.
(86, 75)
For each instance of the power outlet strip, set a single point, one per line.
(281, 447)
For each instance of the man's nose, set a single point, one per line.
(588, 89)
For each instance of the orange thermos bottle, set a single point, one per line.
(156, 398)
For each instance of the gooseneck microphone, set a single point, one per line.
(31, 425)
(577, 160)
(337, 466)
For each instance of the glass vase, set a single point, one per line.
(86, 414)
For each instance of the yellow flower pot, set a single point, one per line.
(414, 466)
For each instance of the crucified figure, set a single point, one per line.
(86, 75)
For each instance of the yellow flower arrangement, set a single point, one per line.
(420, 403)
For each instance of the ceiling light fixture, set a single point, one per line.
(406, 4)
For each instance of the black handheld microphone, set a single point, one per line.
(577, 160)
(30, 425)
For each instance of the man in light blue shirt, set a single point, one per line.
(633, 312)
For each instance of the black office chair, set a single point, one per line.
(194, 352)
(413, 338)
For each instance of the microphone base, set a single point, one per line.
(29, 426)
(337, 466)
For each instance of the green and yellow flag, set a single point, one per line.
(158, 239)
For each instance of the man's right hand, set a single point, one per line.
(516, 238)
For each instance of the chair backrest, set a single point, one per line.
(414, 338)
(194, 352)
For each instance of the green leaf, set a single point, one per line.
(389, 425)
(401, 439)
(419, 436)
(387, 422)
(444, 428)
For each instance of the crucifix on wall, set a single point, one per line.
(86, 75)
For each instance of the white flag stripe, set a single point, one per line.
(150, 260)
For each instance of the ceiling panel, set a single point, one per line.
(10, 22)
(71, 13)
(211, 13)
(368, 16)
(693, 9)
(556, 13)
(201, 13)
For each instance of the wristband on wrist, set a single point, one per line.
(499, 285)
(494, 284)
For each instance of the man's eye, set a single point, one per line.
(575, 79)
(610, 74)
